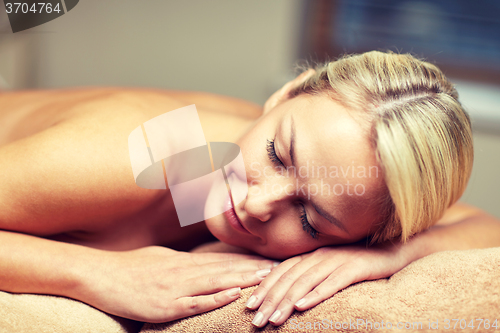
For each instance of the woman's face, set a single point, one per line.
(312, 181)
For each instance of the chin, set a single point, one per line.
(219, 228)
(216, 226)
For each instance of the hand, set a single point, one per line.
(304, 281)
(156, 284)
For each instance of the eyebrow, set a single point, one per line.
(329, 217)
(332, 219)
(292, 142)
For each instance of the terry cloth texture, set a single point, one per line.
(443, 286)
(25, 313)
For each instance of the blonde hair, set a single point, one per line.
(419, 131)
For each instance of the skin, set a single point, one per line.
(273, 216)
(110, 227)
(101, 247)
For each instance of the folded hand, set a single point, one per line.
(302, 282)
(156, 284)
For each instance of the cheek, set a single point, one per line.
(218, 229)
(212, 226)
(284, 242)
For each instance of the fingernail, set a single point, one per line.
(233, 292)
(257, 320)
(276, 263)
(251, 302)
(276, 315)
(300, 302)
(263, 273)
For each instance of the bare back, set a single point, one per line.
(66, 172)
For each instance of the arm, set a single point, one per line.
(462, 227)
(152, 284)
(29, 264)
(75, 175)
(302, 282)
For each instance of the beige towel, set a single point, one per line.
(432, 291)
(25, 313)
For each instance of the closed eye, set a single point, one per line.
(273, 157)
(306, 226)
(271, 153)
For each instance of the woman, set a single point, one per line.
(75, 224)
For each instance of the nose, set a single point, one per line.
(265, 200)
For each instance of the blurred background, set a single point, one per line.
(249, 49)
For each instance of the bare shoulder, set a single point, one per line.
(59, 101)
(65, 158)
(161, 101)
(460, 211)
(216, 102)
(223, 118)
(24, 113)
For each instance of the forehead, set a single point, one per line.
(338, 135)
(333, 149)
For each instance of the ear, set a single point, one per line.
(282, 94)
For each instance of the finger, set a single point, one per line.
(209, 284)
(306, 282)
(279, 303)
(267, 284)
(341, 278)
(275, 296)
(188, 306)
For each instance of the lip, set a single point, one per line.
(231, 216)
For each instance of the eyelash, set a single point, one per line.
(306, 226)
(271, 153)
